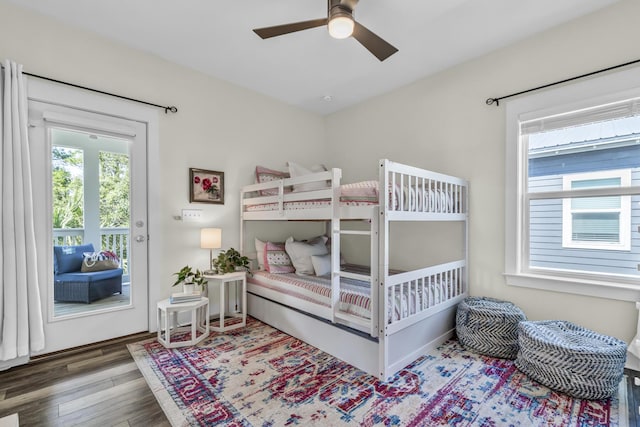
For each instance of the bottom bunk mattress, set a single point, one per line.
(355, 296)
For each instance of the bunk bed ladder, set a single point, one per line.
(336, 233)
(371, 278)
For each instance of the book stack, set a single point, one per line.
(182, 297)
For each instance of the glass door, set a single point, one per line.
(93, 175)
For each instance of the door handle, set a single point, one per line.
(140, 238)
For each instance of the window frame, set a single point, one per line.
(599, 90)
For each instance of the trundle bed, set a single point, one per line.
(375, 318)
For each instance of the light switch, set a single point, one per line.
(191, 214)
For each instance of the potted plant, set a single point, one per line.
(190, 279)
(229, 261)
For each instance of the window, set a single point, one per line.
(573, 188)
(597, 222)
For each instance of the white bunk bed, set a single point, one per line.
(410, 312)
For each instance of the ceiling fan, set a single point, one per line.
(341, 25)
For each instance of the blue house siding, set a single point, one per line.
(546, 250)
(586, 161)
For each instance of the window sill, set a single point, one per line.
(572, 285)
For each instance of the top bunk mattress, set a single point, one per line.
(414, 198)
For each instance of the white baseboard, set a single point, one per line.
(10, 421)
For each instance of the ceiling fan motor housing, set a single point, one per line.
(338, 8)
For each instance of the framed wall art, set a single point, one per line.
(206, 186)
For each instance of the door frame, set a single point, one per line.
(67, 96)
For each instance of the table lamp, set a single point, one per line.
(210, 238)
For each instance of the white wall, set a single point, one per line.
(442, 123)
(219, 126)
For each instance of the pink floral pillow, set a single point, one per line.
(276, 259)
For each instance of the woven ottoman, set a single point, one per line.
(489, 326)
(571, 359)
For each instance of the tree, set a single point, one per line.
(114, 189)
(68, 196)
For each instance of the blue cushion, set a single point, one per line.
(93, 276)
(69, 258)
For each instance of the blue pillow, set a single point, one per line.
(68, 259)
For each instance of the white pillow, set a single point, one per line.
(301, 252)
(321, 264)
(296, 170)
(260, 245)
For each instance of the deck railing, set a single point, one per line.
(68, 236)
(114, 239)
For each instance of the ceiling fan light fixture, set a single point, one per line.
(341, 26)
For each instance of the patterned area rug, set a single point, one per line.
(259, 376)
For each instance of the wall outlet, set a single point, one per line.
(191, 214)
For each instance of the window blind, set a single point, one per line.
(601, 113)
(600, 227)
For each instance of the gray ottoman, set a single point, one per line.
(571, 359)
(489, 326)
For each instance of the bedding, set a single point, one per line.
(267, 175)
(307, 204)
(300, 252)
(283, 258)
(321, 264)
(414, 198)
(260, 245)
(296, 170)
(276, 259)
(354, 294)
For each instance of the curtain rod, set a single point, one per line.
(168, 109)
(490, 101)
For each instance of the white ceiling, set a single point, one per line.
(301, 69)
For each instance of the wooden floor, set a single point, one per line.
(97, 385)
(633, 391)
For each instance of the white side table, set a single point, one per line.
(168, 320)
(222, 280)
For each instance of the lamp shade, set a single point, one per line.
(211, 238)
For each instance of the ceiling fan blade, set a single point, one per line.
(374, 44)
(280, 30)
